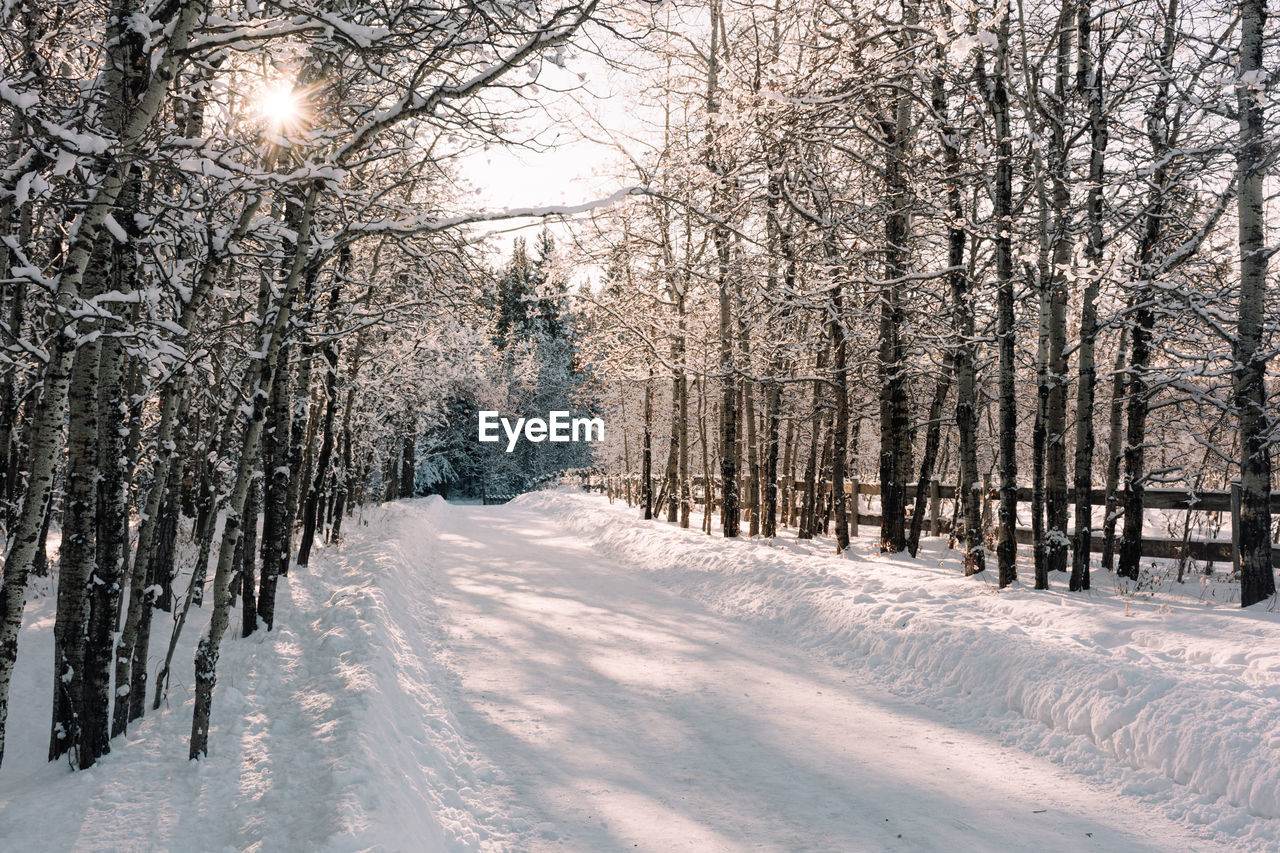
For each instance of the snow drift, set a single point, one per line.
(327, 733)
(1185, 694)
(338, 731)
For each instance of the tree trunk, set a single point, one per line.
(1057, 508)
(262, 372)
(809, 509)
(319, 484)
(1144, 315)
(1253, 539)
(933, 437)
(769, 521)
(840, 432)
(249, 542)
(1041, 276)
(894, 414)
(1092, 79)
(1115, 452)
(408, 461)
(1007, 544)
(276, 538)
(682, 386)
(76, 557)
(729, 507)
(672, 488)
(646, 460)
(134, 107)
(968, 490)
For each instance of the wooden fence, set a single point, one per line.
(937, 524)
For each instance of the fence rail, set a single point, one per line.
(1187, 500)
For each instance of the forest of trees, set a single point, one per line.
(896, 242)
(534, 368)
(1022, 243)
(237, 286)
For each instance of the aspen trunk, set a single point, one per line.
(1144, 315)
(769, 520)
(646, 459)
(933, 437)
(1253, 539)
(895, 426)
(789, 474)
(262, 373)
(319, 484)
(1056, 506)
(1115, 452)
(840, 431)
(76, 558)
(278, 474)
(1007, 545)
(809, 509)
(408, 459)
(753, 459)
(1135, 443)
(968, 489)
(300, 427)
(672, 487)
(131, 123)
(113, 525)
(1041, 276)
(1090, 73)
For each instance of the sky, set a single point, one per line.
(578, 161)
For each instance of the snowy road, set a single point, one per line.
(556, 675)
(625, 717)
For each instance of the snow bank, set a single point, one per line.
(328, 733)
(1169, 699)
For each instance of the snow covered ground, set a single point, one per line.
(555, 674)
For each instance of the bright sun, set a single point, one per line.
(280, 106)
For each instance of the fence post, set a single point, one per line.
(935, 507)
(1235, 526)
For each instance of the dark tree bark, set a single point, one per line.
(1115, 452)
(672, 487)
(840, 383)
(1144, 314)
(646, 463)
(894, 412)
(1056, 505)
(1040, 277)
(408, 460)
(809, 508)
(933, 437)
(1090, 72)
(969, 488)
(769, 519)
(1007, 545)
(76, 555)
(248, 585)
(311, 511)
(278, 473)
(1253, 539)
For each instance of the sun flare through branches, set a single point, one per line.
(281, 107)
